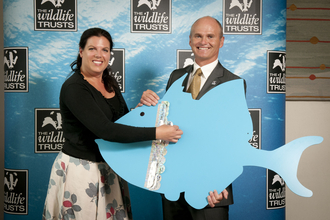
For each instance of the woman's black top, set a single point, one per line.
(87, 115)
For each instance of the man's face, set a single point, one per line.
(205, 40)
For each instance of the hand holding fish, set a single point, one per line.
(215, 198)
(168, 133)
(149, 98)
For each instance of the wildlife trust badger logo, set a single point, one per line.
(57, 124)
(279, 179)
(11, 59)
(276, 72)
(55, 15)
(151, 16)
(152, 4)
(184, 58)
(48, 131)
(56, 3)
(242, 16)
(280, 62)
(16, 69)
(243, 6)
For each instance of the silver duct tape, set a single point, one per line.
(158, 151)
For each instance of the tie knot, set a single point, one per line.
(199, 72)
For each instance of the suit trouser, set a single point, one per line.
(181, 210)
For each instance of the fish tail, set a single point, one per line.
(287, 166)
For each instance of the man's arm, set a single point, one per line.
(148, 98)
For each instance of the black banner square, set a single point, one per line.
(16, 67)
(276, 72)
(117, 67)
(242, 16)
(49, 136)
(58, 15)
(255, 140)
(16, 192)
(151, 16)
(275, 190)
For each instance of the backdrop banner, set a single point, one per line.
(151, 39)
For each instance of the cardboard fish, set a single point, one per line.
(212, 151)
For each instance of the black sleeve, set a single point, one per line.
(81, 103)
(169, 82)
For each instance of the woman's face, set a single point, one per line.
(95, 56)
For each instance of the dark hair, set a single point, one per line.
(109, 81)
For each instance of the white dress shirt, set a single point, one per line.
(207, 70)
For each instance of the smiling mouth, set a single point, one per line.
(97, 62)
(202, 48)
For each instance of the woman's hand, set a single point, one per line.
(168, 133)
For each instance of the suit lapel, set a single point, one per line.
(185, 81)
(214, 79)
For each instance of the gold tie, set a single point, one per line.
(195, 84)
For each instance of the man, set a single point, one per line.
(205, 40)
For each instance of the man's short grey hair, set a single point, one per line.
(221, 32)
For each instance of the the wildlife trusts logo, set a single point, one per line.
(275, 190)
(48, 131)
(16, 192)
(151, 16)
(276, 71)
(242, 16)
(116, 67)
(55, 15)
(16, 69)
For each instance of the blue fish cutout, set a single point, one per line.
(216, 129)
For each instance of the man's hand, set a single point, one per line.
(148, 98)
(215, 198)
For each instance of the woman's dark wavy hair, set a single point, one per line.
(108, 80)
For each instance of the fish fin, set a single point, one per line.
(172, 196)
(290, 155)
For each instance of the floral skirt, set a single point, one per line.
(80, 189)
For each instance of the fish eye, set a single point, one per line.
(142, 114)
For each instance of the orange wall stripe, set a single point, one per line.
(309, 9)
(305, 67)
(293, 7)
(308, 96)
(313, 40)
(306, 41)
(306, 77)
(306, 19)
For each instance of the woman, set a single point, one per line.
(82, 185)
